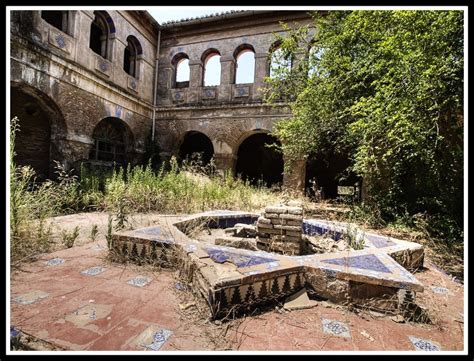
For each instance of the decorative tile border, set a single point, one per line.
(60, 40)
(241, 91)
(239, 277)
(209, 93)
(103, 65)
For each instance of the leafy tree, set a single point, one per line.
(385, 87)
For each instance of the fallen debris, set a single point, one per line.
(185, 306)
(244, 243)
(398, 319)
(366, 335)
(299, 301)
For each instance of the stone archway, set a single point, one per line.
(40, 123)
(256, 162)
(113, 142)
(196, 145)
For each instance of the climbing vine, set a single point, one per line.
(385, 87)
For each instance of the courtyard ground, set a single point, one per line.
(76, 299)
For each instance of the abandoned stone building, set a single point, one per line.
(99, 87)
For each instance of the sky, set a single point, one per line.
(245, 72)
(166, 13)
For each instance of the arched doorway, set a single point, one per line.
(196, 146)
(113, 141)
(256, 162)
(38, 119)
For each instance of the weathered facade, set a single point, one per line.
(90, 86)
(69, 98)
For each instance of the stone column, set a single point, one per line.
(295, 176)
(261, 71)
(225, 161)
(163, 92)
(299, 57)
(195, 80)
(227, 78)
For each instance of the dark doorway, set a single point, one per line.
(196, 147)
(329, 175)
(33, 140)
(257, 163)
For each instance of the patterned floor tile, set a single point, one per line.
(55, 262)
(424, 345)
(139, 281)
(93, 271)
(335, 328)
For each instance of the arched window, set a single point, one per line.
(58, 19)
(212, 68)
(130, 56)
(280, 63)
(196, 148)
(101, 30)
(181, 70)
(244, 65)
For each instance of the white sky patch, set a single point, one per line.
(165, 14)
(212, 73)
(245, 72)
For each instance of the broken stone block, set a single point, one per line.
(294, 210)
(288, 228)
(264, 226)
(276, 209)
(244, 243)
(245, 230)
(290, 239)
(293, 217)
(265, 240)
(230, 231)
(298, 301)
(272, 231)
(293, 233)
(271, 216)
(294, 223)
(263, 220)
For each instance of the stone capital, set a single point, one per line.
(195, 62)
(226, 58)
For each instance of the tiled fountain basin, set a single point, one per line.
(233, 279)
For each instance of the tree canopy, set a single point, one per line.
(386, 88)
